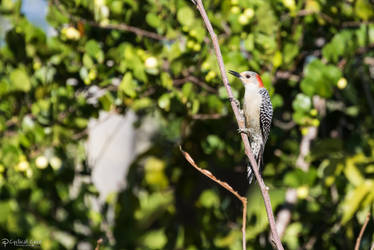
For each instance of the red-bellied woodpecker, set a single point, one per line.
(258, 112)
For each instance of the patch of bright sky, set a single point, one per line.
(4, 27)
(36, 11)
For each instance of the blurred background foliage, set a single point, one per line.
(154, 57)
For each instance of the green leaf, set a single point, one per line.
(222, 92)
(212, 143)
(290, 51)
(195, 106)
(302, 103)
(87, 61)
(199, 33)
(364, 9)
(292, 234)
(4, 87)
(353, 200)
(352, 173)
(6, 210)
(353, 111)
(277, 101)
(320, 79)
(155, 239)
(154, 173)
(187, 90)
(106, 101)
(151, 204)
(117, 7)
(185, 16)
(166, 80)
(93, 49)
(153, 20)
(249, 43)
(142, 103)
(20, 80)
(164, 102)
(341, 44)
(55, 17)
(277, 59)
(298, 178)
(80, 122)
(209, 199)
(307, 86)
(128, 85)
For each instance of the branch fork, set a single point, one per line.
(241, 123)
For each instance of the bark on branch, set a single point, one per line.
(358, 241)
(241, 124)
(225, 186)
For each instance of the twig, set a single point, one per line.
(305, 148)
(206, 116)
(225, 186)
(124, 27)
(309, 12)
(351, 24)
(121, 26)
(98, 243)
(196, 81)
(241, 124)
(284, 125)
(286, 75)
(309, 244)
(358, 241)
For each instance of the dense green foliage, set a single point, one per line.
(302, 49)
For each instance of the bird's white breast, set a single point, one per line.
(251, 106)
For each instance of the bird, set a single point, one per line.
(258, 114)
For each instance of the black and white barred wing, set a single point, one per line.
(266, 114)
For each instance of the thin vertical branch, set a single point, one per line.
(284, 214)
(240, 121)
(224, 185)
(358, 241)
(98, 244)
(244, 222)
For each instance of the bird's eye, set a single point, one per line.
(247, 76)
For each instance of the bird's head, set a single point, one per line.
(248, 78)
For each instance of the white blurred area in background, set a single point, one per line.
(112, 145)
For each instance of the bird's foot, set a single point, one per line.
(236, 101)
(243, 130)
(194, 2)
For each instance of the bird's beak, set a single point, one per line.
(234, 73)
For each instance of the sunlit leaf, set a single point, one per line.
(209, 199)
(353, 200)
(155, 239)
(185, 16)
(20, 80)
(128, 85)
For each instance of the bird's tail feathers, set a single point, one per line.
(249, 173)
(260, 160)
